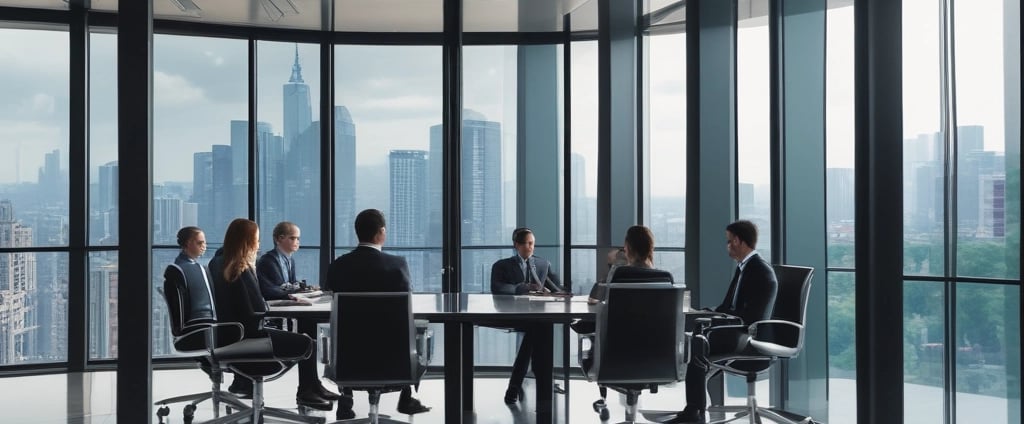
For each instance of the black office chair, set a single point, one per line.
(375, 346)
(194, 328)
(779, 338)
(226, 349)
(639, 342)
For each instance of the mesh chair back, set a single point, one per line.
(638, 334)
(373, 340)
(179, 309)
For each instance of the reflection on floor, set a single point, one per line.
(43, 399)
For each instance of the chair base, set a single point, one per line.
(658, 416)
(381, 419)
(772, 414)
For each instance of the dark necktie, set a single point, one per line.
(736, 287)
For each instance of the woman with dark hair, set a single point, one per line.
(239, 300)
(638, 248)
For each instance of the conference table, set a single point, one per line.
(460, 313)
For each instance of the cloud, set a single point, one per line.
(40, 103)
(174, 90)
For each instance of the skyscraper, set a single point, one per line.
(202, 193)
(482, 206)
(17, 289)
(297, 112)
(408, 198)
(167, 214)
(344, 176)
(225, 207)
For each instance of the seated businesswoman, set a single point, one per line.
(638, 248)
(520, 274)
(238, 297)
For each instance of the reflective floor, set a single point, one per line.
(43, 399)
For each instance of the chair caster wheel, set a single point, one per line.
(188, 413)
(604, 414)
(162, 412)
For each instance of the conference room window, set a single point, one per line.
(753, 132)
(665, 135)
(511, 170)
(961, 99)
(199, 88)
(103, 178)
(288, 132)
(34, 194)
(839, 213)
(986, 94)
(389, 151)
(583, 163)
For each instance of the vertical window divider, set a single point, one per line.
(327, 224)
(78, 202)
(947, 118)
(252, 198)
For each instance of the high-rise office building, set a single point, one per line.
(840, 196)
(270, 175)
(202, 192)
(344, 176)
(482, 206)
(107, 190)
(167, 214)
(298, 114)
(102, 307)
(408, 198)
(992, 213)
(53, 186)
(225, 207)
(17, 289)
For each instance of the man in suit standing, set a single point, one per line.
(368, 269)
(521, 274)
(751, 297)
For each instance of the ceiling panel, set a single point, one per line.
(37, 4)
(296, 14)
(389, 15)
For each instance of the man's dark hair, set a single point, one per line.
(186, 233)
(368, 223)
(744, 230)
(519, 234)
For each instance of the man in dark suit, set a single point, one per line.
(273, 270)
(277, 267)
(368, 269)
(521, 274)
(751, 297)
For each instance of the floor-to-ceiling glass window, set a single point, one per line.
(986, 75)
(839, 214)
(34, 195)
(665, 133)
(753, 135)
(199, 89)
(583, 175)
(103, 195)
(961, 107)
(288, 131)
(388, 151)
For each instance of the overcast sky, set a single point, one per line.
(394, 93)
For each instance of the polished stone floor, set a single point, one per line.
(44, 399)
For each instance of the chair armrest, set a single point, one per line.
(772, 325)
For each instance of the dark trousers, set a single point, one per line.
(287, 343)
(525, 355)
(719, 343)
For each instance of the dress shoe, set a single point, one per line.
(345, 414)
(324, 393)
(689, 415)
(241, 387)
(311, 399)
(411, 405)
(514, 394)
